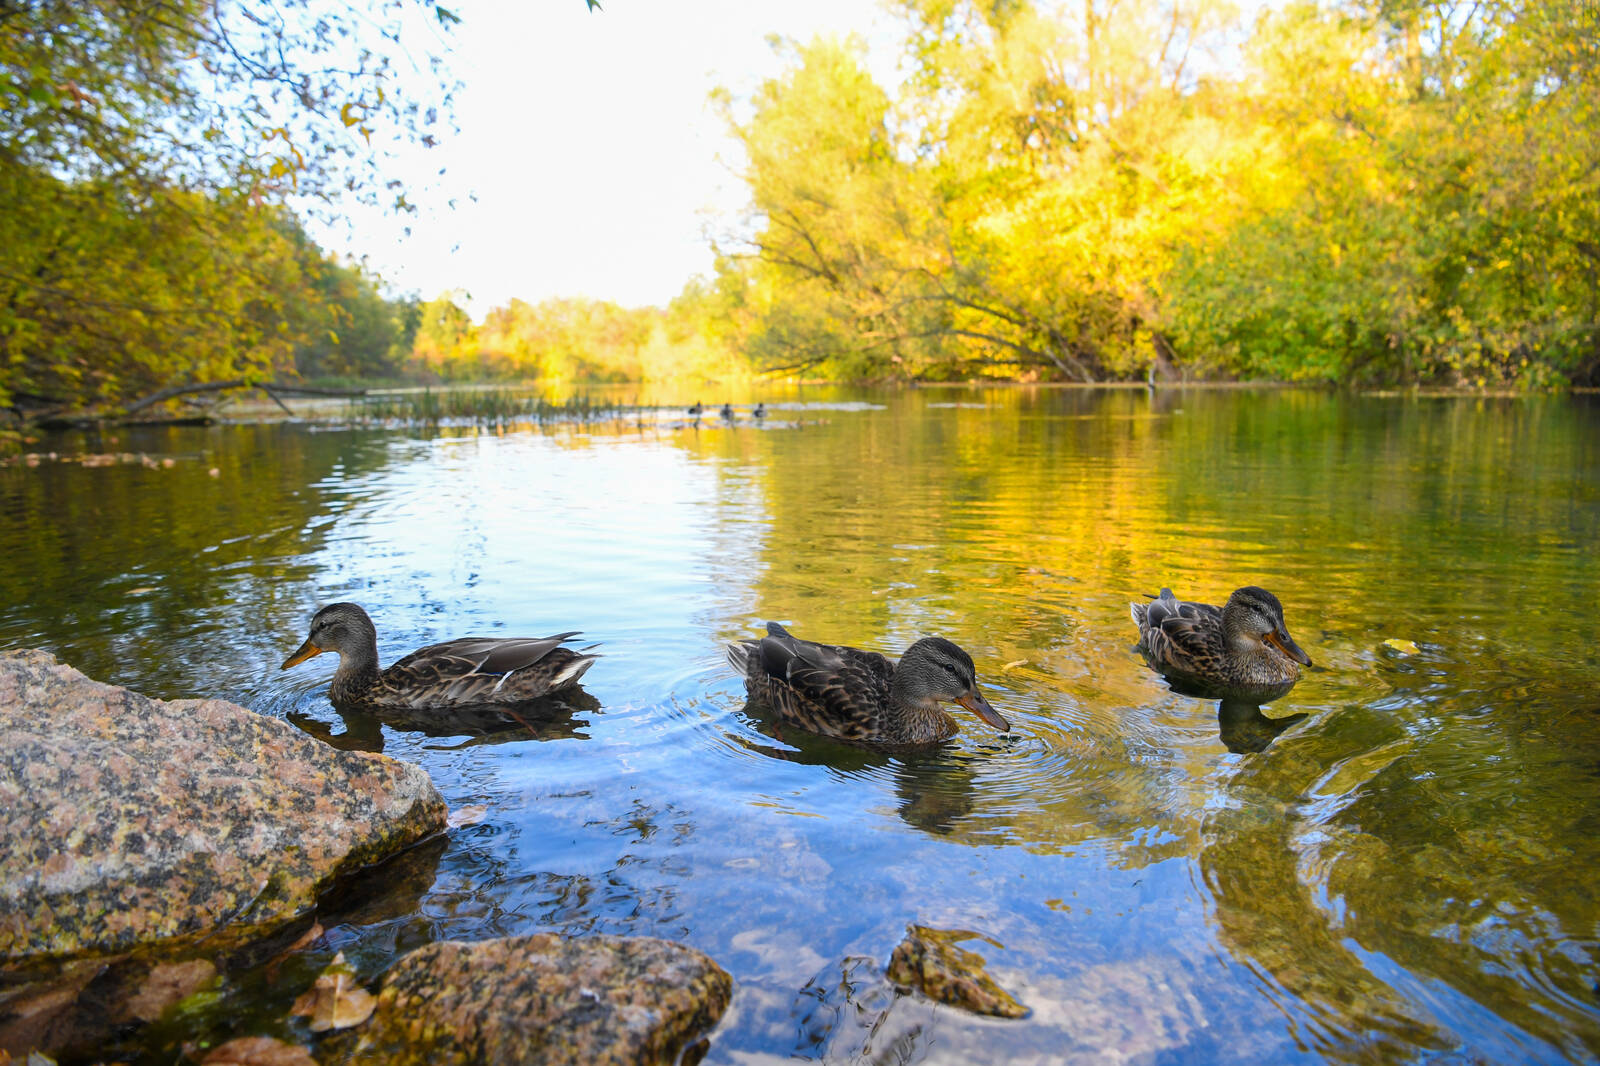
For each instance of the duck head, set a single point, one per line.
(934, 670)
(339, 627)
(1253, 619)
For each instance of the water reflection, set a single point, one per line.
(547, 718)
(1404, 874)
(1245, 730)
(934, 790)
(1379, 873)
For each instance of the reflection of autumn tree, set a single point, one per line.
(128, 556)
(1401, 853)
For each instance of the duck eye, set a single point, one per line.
(949, 666)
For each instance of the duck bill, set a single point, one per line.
(306, 651)
(974, 702)
(1285, 643)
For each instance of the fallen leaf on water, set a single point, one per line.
(258, 1051)
(469, 815)
(141, 590)
(1010, 666)
(336, 1000)
(1404, 647)
(167, 984)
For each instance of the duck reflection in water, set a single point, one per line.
(933, 790)
(550, 718)
(1246, 730)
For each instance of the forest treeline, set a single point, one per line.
(1359, 191)
(149, 154)
(1347, 191)
(1370, 191)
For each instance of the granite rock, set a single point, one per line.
(128, 822)
(595, 1001)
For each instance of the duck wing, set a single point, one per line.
(827, 688)
(485, 670)
(1182, 637)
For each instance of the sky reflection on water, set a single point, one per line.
(1403, 873)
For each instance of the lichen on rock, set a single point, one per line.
(127, 821)
(595, 1001)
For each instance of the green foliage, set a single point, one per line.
(574, 340)
(146, 152)
(1387, 193)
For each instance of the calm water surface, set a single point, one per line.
(1404, 871)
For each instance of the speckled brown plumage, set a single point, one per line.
(1241, 650)
(851, 694)
(464, 672)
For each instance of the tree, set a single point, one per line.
(146, 155)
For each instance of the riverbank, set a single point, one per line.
(154, 853)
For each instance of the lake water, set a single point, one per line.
(1408, 872)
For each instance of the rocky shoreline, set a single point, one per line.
(149, 846)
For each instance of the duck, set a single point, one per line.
(696, 410)
(727, 412)
(760, 411)
(1241, 650)
(469, 671)
(861, 696)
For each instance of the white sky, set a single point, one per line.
(590, 146)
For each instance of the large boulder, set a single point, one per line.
(595, 1001)
(131, 822)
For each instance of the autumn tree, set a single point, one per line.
(147, 152)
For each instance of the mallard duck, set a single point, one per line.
(859, 695)
(1241, 650)
(727, 412)
(468, 671)
(760, 411)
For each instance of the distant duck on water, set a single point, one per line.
(760, 411)
(464, 672)
(727, 412)
(1241, 650)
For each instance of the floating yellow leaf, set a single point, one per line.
(1404, 647)
(336, 1000)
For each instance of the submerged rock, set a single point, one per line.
(598, 1001)
(929, 961)
(129, 824)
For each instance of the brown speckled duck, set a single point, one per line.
(857, 695)
(464, 672)
(1241, 650)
